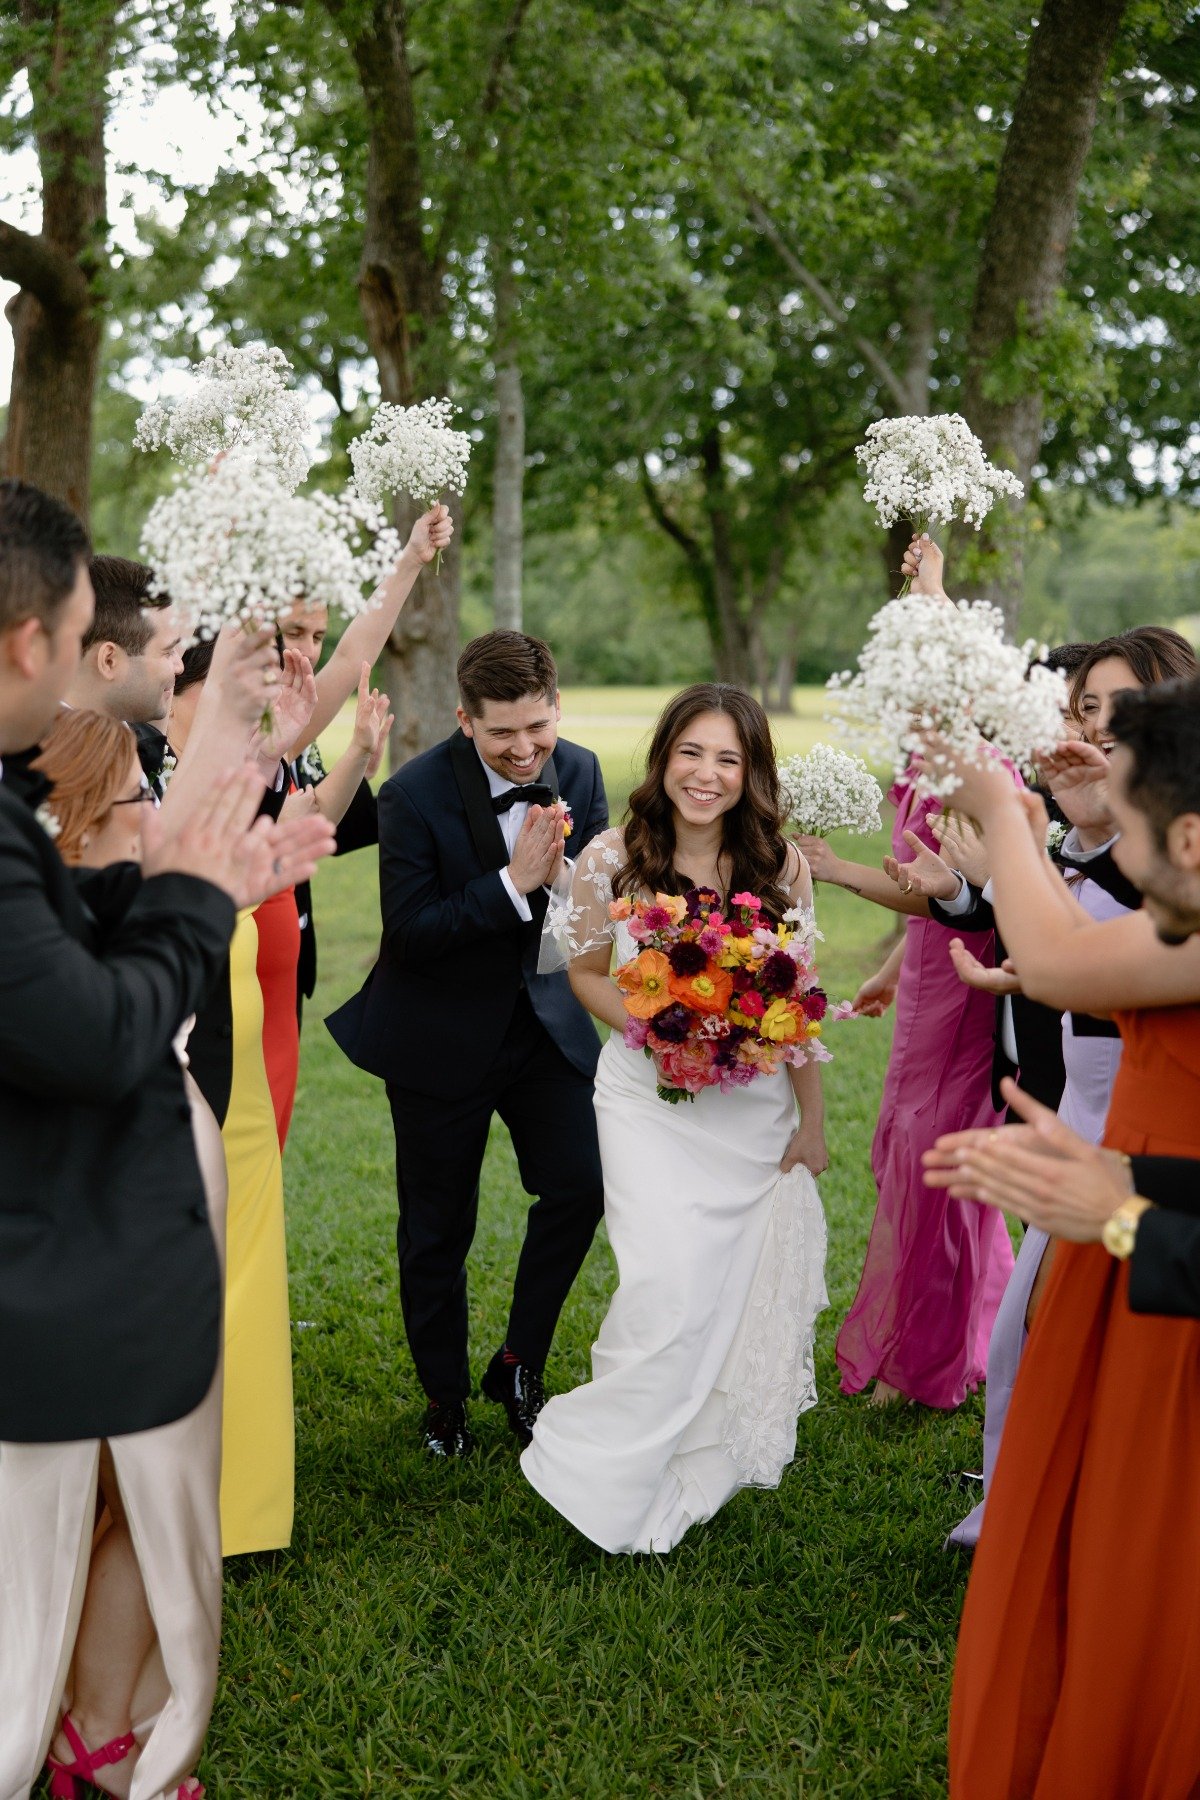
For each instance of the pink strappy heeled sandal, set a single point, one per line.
(65, 1777)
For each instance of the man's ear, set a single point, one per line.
(110, 659)
(19, 648)
(1183, 842)
(464, 719)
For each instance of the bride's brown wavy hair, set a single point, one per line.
(753, 839)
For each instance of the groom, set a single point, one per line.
(459, 1024)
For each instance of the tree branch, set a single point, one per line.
(821, 294)
(35, 265)
(674, 530)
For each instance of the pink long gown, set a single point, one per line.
(936, 1267)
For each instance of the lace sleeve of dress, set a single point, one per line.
(802, 912)
(577, 917)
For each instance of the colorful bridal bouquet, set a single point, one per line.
(717, 998)
(825, 790)
(933, 666)
(930, 470)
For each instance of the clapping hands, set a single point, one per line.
(373, 719)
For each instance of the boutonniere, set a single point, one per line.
(170, 763)
(567, 820)
(1056, 832)
(311, 766)
(49, 821)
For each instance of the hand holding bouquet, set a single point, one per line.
(718, 999)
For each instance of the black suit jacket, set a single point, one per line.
(109, 1286)
(357, 829)
(1164, 1272)
(455, 953)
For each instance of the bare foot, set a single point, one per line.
(884, 1394)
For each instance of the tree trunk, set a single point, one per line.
(1029, 232)
(55, 317)
(508, 482)
(731, 644)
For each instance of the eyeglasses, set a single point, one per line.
(141, 798)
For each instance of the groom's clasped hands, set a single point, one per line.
(537, 859)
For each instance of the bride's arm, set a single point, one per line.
(807, 1144)
(594, 987)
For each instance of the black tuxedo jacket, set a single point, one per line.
(109, 1288)
(357, 829)
(455, 953)
(1164, 1273)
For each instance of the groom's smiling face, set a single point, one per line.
(515, 737)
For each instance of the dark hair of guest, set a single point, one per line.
(505, 665)
(1154, 653)
(1160, 727)
(197, 661)
(42, 544)
(1067, 657)
(123, 604)
(753, 840)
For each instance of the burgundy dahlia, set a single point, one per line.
(778, 974)
(815, 1004)
(671, 1025)
(686, 959)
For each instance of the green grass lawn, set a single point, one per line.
(438, 1630)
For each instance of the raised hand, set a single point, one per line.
(274, 855)
(291, 708)
(972, 973)
(208, 840)
(372, 720)
(431, 534)
(925, 874)
(245, 672)
(962, 846)
(823, 865)
(922, 565)
(1077, 776)
(537, 856)
(1043, 1171)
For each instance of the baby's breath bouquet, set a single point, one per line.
(232, 545)
(825, 790)
(930, 470)
(242, 400)
(934, 665)
(411, 450)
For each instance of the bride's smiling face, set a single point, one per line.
(706, 769)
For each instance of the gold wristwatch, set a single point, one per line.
(1119, 1233)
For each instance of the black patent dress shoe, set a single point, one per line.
(444, 1429)
(519, 1389)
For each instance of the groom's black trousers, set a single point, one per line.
(547, 1106)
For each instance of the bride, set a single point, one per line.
(704, 1361)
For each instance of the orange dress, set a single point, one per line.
(1078, 1668)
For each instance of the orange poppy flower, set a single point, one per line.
(644, 984)
(708, 992)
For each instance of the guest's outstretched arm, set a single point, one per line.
(1066, 959)
(365, 636)
(859, 878)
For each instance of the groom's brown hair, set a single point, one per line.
(505, 665)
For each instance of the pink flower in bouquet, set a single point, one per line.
(635, 1033)
(711, 941)
(639, 930)
(687, 1066)
(674, 905)
(843, 1010)
(750, 900)
(620, 909)
(738, 1074)
(656, 918)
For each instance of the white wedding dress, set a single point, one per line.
(705, 1357)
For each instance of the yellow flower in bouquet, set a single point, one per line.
(781, 1022)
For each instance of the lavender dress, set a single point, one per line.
(1091, 1064)
(935, 1267)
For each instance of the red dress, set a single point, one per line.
(1078, 1667)
(278, 925)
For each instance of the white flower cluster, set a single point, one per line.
(243, 401)
(411, 450)
(943, 666)
(49, 821)
(235, 546)
(826, 790)
(930, 470)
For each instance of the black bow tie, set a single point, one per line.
(535, 793)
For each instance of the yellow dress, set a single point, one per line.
(259, 1441)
